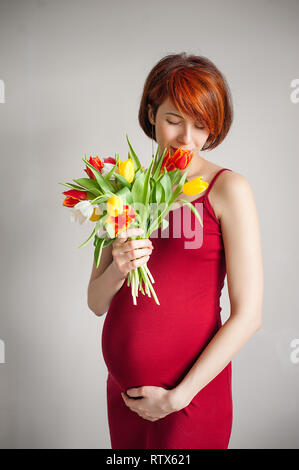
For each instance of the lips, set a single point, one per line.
(175, 149)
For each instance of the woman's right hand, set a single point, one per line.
(130, 254)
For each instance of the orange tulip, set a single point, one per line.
(180, 159)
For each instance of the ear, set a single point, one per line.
(151, 115)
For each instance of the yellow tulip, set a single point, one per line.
(126, 169)
(114, 206)
(195, 186)
(95, 215)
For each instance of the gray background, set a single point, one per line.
(74, 73)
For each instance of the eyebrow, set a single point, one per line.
(178, 115)
(174, 114)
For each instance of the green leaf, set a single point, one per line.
(79, 188)
(110, 230)
(90, 195)
(152, 183)
(174, 176)
(166, 183)
(89, 184)
(193, 209)
(156, 222)
(138, 172)
(99, 222)
(137, 188)
(99, 199)
(125, 194)
(98, 251)
(156, 159)
(159, 164)
(178, 189)
(142, 213)
(133, 156)
(96, 239)
(104, 185)
(73, 186)
(123, 180)
(146, 186)
(159, 193)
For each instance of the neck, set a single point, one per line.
(195, 167)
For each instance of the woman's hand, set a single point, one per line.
(154, 402)
(131, 254)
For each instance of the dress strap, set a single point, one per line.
(214, 179)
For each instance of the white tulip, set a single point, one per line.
(101, 232)
(81, 212)
(108, 167)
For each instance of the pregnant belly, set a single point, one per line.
(150, 345)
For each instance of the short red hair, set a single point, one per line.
(196, 87)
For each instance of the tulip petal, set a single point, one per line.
(195, 186)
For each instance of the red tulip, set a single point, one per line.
(109, 160)
(180, 159)
(73, 196)
(97, 164)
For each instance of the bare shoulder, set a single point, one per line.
(231, 189)
(231, 181)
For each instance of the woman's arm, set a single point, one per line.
(105, 281)
(245, 280)
(117, 260)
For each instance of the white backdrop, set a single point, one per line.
(71, 75)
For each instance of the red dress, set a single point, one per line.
(150, 344)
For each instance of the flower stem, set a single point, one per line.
(149, 274)
(150, 285)
(135, 278)
(145, 283)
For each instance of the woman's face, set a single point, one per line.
(174, 130)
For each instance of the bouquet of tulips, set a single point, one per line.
(118, 194)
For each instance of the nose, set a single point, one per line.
(185, 136)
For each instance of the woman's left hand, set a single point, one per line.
(154, 402)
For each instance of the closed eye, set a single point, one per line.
(177, 123)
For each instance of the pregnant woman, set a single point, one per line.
(169, 365)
